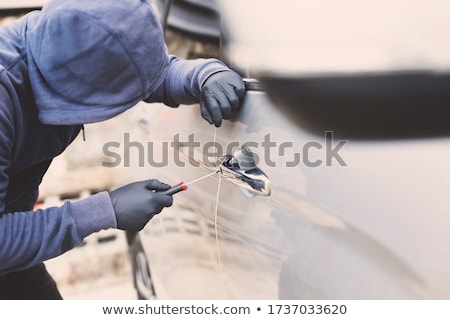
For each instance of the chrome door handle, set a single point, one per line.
(241, 170)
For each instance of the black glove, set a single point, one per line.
(221, 94)
(136, 203)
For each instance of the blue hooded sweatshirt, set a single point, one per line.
(74, 62)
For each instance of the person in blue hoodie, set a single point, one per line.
(76, 62)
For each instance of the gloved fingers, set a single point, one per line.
(239, 88)
(227, 98)
(204, 111)
(225, 105)
(232, 86)
(156, 185)
(211, 109)
(222, 93)
(164, 200)
(234, 100)
(235, 92)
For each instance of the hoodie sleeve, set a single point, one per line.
(184, 80)
(30, 237)
(27, 238)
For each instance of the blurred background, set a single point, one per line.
(100, 269)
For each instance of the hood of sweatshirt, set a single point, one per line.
(91, 60)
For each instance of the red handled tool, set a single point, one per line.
(175, 189)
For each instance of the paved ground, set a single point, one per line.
(112, 287)
(97, 270)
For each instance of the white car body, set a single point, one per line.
(373, 226)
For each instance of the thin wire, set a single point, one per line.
(201, 178)
(217, 237)
(215, 139)
(216, 229)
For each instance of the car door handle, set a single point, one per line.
(241, 170)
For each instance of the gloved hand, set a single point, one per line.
(136, 203)
(221, 94)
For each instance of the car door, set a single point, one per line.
(353, 224)
(362, 215)
(348, 215)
